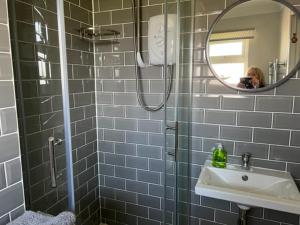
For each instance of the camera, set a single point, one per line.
(247, 82)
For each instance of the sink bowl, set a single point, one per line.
(255, 187)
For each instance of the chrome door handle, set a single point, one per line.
(171, 154)
(52, 142)
(174, 128)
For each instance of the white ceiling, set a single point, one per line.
(254, 7)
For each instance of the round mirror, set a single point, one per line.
(254, 45)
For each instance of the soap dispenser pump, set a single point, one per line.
(219, 156)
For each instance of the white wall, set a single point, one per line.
(285, 34)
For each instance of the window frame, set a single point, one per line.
(230, 59)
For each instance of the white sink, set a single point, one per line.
(255, 187)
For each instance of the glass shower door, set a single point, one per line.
(177, 120)
(38, 79)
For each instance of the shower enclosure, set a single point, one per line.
(177, 120)
(79, 114)
(56, 107)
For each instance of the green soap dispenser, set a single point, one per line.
(219, 156)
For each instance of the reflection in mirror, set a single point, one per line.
(255, 44)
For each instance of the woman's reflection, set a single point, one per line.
(254, 79)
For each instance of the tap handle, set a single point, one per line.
(246, 157)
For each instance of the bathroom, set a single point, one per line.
(100, 118)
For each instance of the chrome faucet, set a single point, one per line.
(246, 161)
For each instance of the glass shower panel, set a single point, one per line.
(39, 102)
(34, 29)
(178, 118)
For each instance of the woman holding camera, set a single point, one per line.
(254, 79)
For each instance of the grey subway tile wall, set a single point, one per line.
(11, 181)
(130, 165)
(41, 116)
(129, 138)
(264, 124)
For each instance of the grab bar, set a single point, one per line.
(52, 142)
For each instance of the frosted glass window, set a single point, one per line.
(230, 72)
(226, 49)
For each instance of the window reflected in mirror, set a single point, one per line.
(254, 44)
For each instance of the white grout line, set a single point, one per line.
(1, 129)
(290, 138)
(6, 53)
(14, 184)
(293, 104)
(5, 173)
(10, 134)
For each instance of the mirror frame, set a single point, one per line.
(272, 86)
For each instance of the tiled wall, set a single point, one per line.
(83, 111)
(265, 124)
(42, 114)
(130, 138)
(11, 184)
(130, 164)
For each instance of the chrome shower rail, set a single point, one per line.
(66, 103)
